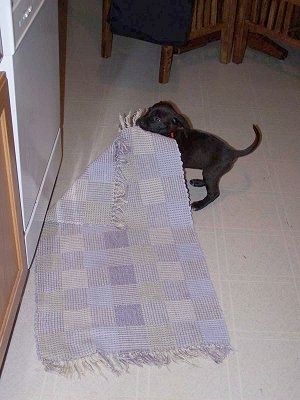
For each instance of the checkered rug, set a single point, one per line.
(120, 276)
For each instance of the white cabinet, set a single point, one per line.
(31, 61)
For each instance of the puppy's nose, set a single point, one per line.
(140, 122)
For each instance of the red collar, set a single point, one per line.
(172, 134)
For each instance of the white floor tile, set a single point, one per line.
(266, 309)
(256, 256)
(269, 369)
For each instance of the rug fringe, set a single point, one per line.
(129, 120)
(121, 150)
(119, 363)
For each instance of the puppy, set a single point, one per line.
(199, 150)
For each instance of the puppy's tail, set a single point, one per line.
(254, 145)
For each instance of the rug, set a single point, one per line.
(121, 278)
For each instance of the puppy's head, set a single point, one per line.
(162, 118)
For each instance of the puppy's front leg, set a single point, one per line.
(213, 191)
(210, 197)
(198, 205)
(211, 178)
(212, 188)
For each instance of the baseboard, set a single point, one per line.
(37, 218)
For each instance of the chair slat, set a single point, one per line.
(280, 16)
(214, 11)
(199, 12)
(255, 9)
(288, 18)
(207, 12)
(264, 12)
(272, 14)
(194, 16)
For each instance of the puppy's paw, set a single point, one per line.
(197, 182)
(196, 205)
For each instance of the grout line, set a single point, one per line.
(230, 390)
(234, 330)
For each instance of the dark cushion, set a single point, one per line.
(165, 22)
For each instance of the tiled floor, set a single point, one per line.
(251, 234)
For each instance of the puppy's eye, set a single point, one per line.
(156, 118)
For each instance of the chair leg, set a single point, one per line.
(227, 32)
(107, 37)
(240, 34)
(166, 59)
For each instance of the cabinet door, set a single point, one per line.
(13, 268)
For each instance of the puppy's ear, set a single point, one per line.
(181, 122)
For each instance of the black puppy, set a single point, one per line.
(199, 150)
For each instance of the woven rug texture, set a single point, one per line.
(120, 275)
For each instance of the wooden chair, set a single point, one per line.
(260, 22)
(212, 20)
